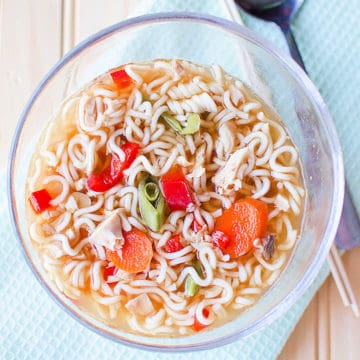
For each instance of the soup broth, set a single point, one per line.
(164, 197)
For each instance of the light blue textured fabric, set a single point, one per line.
(32, 326)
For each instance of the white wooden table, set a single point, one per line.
(34, 34)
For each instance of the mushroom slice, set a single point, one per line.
(268, 243)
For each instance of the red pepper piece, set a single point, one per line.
(121, 78)
(176, 189)
(174, 244)
(198, 326)
(220, 239)
(131, 150)
(113, 174)
(40, 200)
(109, 271)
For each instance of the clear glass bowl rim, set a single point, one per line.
(336, 157)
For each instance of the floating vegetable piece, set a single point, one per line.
(113, 174)
(174, 244)
(176, 189)
(151, 191)
(151, 203)
(172, 122)
(243, 222)
(192, 126)
(268, 243)
(191, 287)
(40, 200)
(199, 269)
(121, 78)
(136, 253)
(109, 271)
(220, 239)
(198, 326)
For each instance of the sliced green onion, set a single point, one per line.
(191, 287)
(172, 122)
(162, 208)
(192, 126)
(151, 203)
(151, 191)
(199, 269)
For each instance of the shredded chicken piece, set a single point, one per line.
(141, 305)
(226, 139)
(225, 179)
(108, 233)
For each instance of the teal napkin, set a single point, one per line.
(32, 326)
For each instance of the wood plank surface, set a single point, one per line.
(344, 329)
(30, 38)
(33, 36)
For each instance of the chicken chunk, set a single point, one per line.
(226, 180)
(109, 233)
(226, 140)
(141, 305)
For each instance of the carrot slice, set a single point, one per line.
(136, 253)
(243, 222)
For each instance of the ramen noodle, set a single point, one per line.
(164, 197)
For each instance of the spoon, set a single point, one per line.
(281, 12)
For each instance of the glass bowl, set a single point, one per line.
(273, 75)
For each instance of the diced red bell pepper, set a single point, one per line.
(121, 78)
(198, 326)
(220, 239)
(113, 174)
(176, 189)
(40, 200)
(109, 271)
(174, 244)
